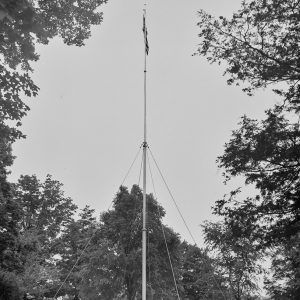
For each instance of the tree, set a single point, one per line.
(40, 276)
(237, 257)
(115, 264)
(9, 209)
(284, 284)
(266, 153)
(23, 24)
(259, 44)
(199, 279)
(260, 47)
(10, 214)
(44, 214)
(71, 246)
(46, 211)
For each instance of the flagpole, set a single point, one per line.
(144, 237)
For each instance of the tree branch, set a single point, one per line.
(258, 50)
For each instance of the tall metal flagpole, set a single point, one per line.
(144, 237)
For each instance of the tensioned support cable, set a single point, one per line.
(77, 261)
(135, 158)
(188, 229)
(172, 197)
(93, 234)
(164, 234)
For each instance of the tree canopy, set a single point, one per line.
(120, 256)
(28, 223)
(266, 153)
(23, 24)
(259, 46)
(47, 249)
(237, 257)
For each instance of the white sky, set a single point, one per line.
(86, 125)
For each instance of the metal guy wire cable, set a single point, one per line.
(131, 165)
(188, 229)
(164, 235)
(89, 240)
(172, 197)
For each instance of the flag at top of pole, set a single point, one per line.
(145, 33)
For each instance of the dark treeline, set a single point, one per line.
(41, 240)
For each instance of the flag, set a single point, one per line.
(145, 35)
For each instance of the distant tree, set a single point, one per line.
(40, 276)
(45, 209)
(115, 264)
(237, 257)
(199, 279)
(284, 284)
(70, 248)
(10, 213)
(259, 46)
(44, 213)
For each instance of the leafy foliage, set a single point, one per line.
(285, 267)
(40, 277)
(45, 208)
(10, 213)
(34, 215)
(48, 240)
(199, 279)
(267, 154)
(259, 47)
(259, 44)
(25, 23)
(237, 257)
(46, 212)
(71, 246)
(9, 288)
(118, 249)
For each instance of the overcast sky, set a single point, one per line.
(86, 125)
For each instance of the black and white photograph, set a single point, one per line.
(149, 150)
